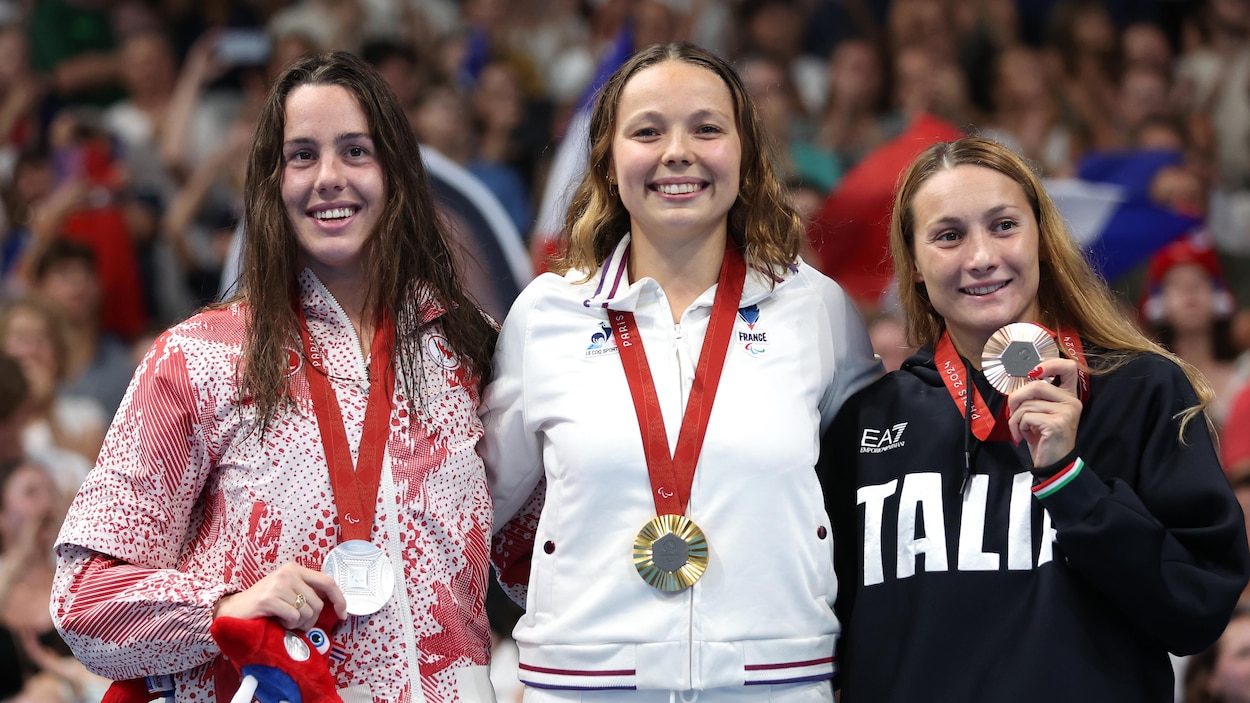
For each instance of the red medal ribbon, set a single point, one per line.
(985, 426)
(673, 475)
(355, 488)
(1072, 346)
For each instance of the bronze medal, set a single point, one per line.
(1013, 351)
(670, 553)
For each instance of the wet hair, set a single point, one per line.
(408, 253)
(1069, 292)
(762, 222)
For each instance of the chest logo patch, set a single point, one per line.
(752, 341)
(875, 441)
(601, 342)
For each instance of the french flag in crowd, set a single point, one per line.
(1109, 211)
(572, 156)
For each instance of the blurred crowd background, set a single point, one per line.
(124, 128)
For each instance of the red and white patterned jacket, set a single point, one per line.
(187, 504)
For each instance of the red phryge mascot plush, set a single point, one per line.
(276, 664)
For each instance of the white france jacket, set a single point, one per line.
(559, 414)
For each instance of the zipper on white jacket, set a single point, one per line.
(362, 368)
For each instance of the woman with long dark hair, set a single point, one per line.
(310, 443)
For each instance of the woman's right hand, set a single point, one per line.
(278, 595)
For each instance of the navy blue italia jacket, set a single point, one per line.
(1069, 583)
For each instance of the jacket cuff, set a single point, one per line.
(1063, 473)
(1043, 473)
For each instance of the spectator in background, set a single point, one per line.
(134, 125)
(441, 119)
(97, 363)
(204, 214)
(32, 182)
(782, 118)
(1142, 92)
(889, 339)
(1028, 116)
(1213, 78)
(82, 64)
(1143, 44)
(923, 24)
(149, 74)
(36, 660)
(852, 123)
(928, 83)
(499, 110)
(63, 431)
(329, 24)
(89, 205)
(13, 394)
(1221, 674)
(20, 93)
(400, 66)
(1188, 308)
(775, 28)
(1082, 39)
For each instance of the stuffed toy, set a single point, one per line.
(276, 664)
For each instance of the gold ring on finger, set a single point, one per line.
(300, 600)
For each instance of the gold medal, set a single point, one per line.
(670, 553)
(1013, 351)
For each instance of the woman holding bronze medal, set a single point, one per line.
(655, 412)
(310, 443)
(1031, 509)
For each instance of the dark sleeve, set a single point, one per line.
(1148, 518)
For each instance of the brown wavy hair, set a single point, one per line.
(409, 248)
(762, 221)
(1069, 292)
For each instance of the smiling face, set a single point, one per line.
(976, 253)
(676, 152)
(332, 184)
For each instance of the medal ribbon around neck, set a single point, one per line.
(672, 475)
(985, 426)
(355, 488)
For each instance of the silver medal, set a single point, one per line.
(363, 573)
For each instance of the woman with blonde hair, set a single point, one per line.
(655, 411)
(1032, 508)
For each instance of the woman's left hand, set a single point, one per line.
(1046, 415)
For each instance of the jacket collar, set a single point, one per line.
(320, 304)
(613, 289)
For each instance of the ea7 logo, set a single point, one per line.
(877, 441)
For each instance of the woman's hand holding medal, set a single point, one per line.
(294, 595)
(1046, 415)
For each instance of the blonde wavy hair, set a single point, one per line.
(1069, 292)
(762, 221)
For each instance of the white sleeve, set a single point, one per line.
(511, 447)
(854, 364)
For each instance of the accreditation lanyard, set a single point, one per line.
(355, 488)
(985, 425)
(672, 475)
